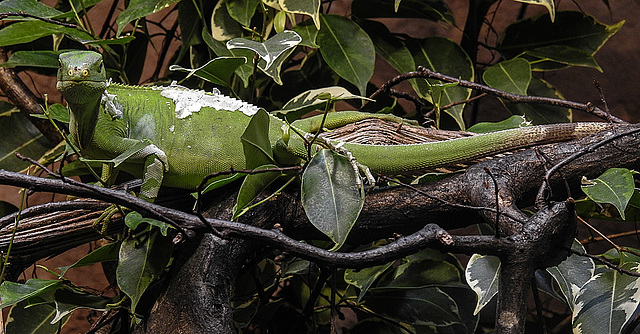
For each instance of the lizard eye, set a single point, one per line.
(70, 73)
(85, 73)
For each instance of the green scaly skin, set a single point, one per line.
(182, 151)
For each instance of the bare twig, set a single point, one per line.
(423, 72)
(605, 262)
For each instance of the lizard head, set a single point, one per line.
(81, 75)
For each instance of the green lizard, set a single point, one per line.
(174, 136)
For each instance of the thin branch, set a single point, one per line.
(426, 73)
(429, 236)
(605, 262)
(546, 184)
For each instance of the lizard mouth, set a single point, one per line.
(81, 86)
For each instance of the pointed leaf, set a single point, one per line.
(18, 135)
(308, 31)
(546, 3)
(68, 300)
(513, 122)
(133, 219)
(46, 59)
(444, 56)
(28, 6)
(607, 301)
(559, 56)
(223, 26)
(271, 49)
(573, 273)
(217, 71)
(242, 10)
(142, 261)
(306, 7)
(106, 253)
(255, 141)
(428, 306)
(615, 186)
(364, 278)
(25, 318)
(482, 275)
(421, 274)
(434, 10)
(252, 186)
(330, 196)
(310, 101)
(537, 113)
(13, 293)
(140, 8)
(573, 29)
(347, 49)
(512, 76)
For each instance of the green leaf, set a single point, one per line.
(219, 183)
(443, 56)
(191, 28)
(252, 186)
(571, 29)
(310, 101)
(330, 196)
(559, 56)
(280, 22)
(389, 47)
(46, 59)
(245, 71)
(434, 10)
(512, 76)
(573, 273)
(540, 113)
(513, 122)
(25, 318)
(482, 274)
(306, 7)
(364, 278)
(217, 71)
(347, 49)
(308, 31)
(67, 301)
(28, 31)
(57, 112)
(255, 141)
(140, 8)
(106, 253)
(422, 274)
(28, 6)
(271, 49)
(13, 293)
(120, 40)
(242, 10)
(546, 3)
(142, 261)
(607, 301)
(133, 219)
(615, 186)
(18, 135)
(427, 306)
(223, 26)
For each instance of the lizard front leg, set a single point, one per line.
(155, 165)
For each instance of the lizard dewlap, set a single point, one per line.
(175, 136)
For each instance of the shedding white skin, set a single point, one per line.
(188, 101)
